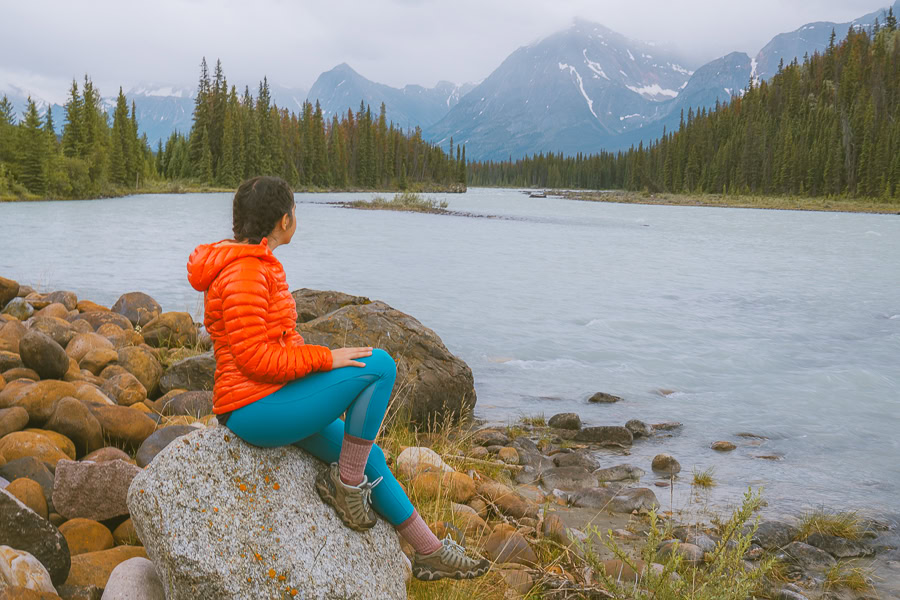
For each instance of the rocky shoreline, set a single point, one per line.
(117, 482)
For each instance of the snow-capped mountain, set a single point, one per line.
(565, 93)
(587, 89)
(812, 37)
(342, 88)
(161, 109)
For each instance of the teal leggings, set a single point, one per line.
(305, 413)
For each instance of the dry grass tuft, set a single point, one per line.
(847, 525)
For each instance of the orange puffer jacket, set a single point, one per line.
(250, 316)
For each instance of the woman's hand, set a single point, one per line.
(344, 357)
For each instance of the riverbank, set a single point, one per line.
(552, 502)
(838, 204)
(189, 187)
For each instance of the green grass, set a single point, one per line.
(704, 479)
(404, 201)
(723, 576)
(847, 525)
(535, 420)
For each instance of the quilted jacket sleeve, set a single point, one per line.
(245, 303)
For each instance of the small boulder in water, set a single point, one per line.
(666, 464)
(638, 428)
(565, 421)
(603, 398)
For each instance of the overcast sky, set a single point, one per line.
(44, 44)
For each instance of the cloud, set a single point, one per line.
(391, 41)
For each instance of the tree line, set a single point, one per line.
(232, 137)
(89, 157)
(829, 125)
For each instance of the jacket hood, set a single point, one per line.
(208, 260)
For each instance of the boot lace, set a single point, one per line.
(366, 489)
(456, 554)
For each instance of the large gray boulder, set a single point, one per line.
(431, 382)
(312, 304)
(222, 519)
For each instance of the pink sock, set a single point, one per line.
(352, 461)
(418, 535)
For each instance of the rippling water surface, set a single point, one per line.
(781, 324)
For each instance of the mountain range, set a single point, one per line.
(583, 89)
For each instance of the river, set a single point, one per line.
(782, 324)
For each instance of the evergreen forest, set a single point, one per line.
(233, 136)
(826, 126)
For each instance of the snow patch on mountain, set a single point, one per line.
(593, 66)
(653, 91)
(574, 71)
(630, 55)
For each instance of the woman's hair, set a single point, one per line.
(259, 204)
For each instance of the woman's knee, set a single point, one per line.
(382, 362)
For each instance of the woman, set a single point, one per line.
(271, 389)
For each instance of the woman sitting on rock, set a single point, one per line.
(272, 389)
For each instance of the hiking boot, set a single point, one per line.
(353, 503)
(448, 561)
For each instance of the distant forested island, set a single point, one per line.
(829, 126)
(232, 137)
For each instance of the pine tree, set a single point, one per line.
(73, 136)
(34, 151)
(199, 137)
(120, 156)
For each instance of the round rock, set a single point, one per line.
(41, 353)
(192, 404)
(60, 330)
(19, 569)
(141, 363)
(12, 419)
(607, 435)
(137, 307)
(170, 329)
(158, 440)
(638, 428)
(125, 389)
(74, 420)
(565, 421)
(86, 535)
(666, 464)
(18, 308)
(9, 289)
(123, 425)
(96, 360)
(30, 494)
(193, 373)
(723, 446)
(134, 579)
(603, 398)
(20, 444)
(64, 297)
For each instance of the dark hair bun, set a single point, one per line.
(259, 204)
